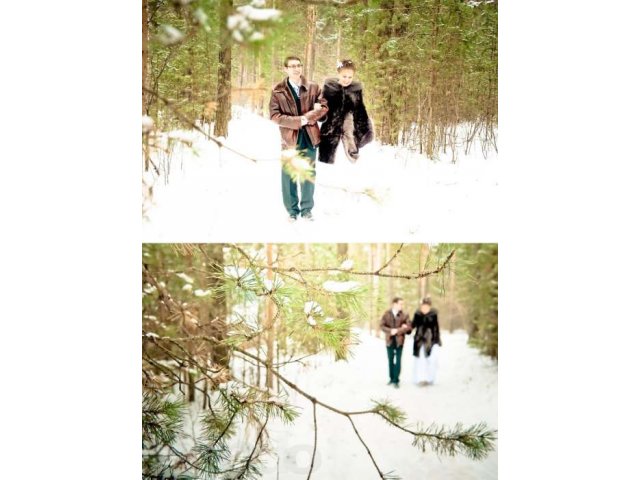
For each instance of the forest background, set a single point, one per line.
(429, 68)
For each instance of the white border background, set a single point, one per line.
(569, 261)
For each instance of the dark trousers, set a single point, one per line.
(395, 357)
(294, 205)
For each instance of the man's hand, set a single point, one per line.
(394, 331)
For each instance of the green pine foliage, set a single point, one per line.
(211, 315)
(473, 441)
(479, 286)
(441, 55)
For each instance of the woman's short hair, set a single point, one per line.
(344, 64)
(426, 301)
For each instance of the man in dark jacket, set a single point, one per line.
(395, 324)
(296, 107)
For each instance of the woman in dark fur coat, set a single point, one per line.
(426, 343)
(347, 119)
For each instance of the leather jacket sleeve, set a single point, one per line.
(288, 121)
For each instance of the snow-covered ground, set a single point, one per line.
(218, 196)
(466, 390)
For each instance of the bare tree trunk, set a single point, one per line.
(310, 48)
(384, 30)
(372, 266)
(376, 286)
(343, 251)
(145, 61)
(390, 270)
(424, 254)
(145, 53)
(431, 129)
(217, 314)
(243, 69)
(193, 93)
(192, 385)
(269, 319)
(339, 42)
(223, 113)
(452, 301)
(274, 66)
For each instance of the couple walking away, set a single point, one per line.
(426, 341)
(297, 105)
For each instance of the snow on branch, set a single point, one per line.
(242, 24)
(377, 273)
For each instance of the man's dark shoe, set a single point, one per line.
(396, 385)
(307, 216)
(292, 218)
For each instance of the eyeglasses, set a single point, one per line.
(297, 65)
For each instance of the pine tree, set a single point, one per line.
(478, 269)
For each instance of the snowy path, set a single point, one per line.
(218, 196)
(466, 391)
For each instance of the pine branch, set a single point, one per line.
(161, 420)
(474, 442)
(388, 262)
(248, 463)
(219, 374)
(366, 447)
(376, 273)
(315, 440)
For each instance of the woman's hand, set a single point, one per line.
(317, 106)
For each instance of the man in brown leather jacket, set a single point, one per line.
(296, 107)
(395, 324)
